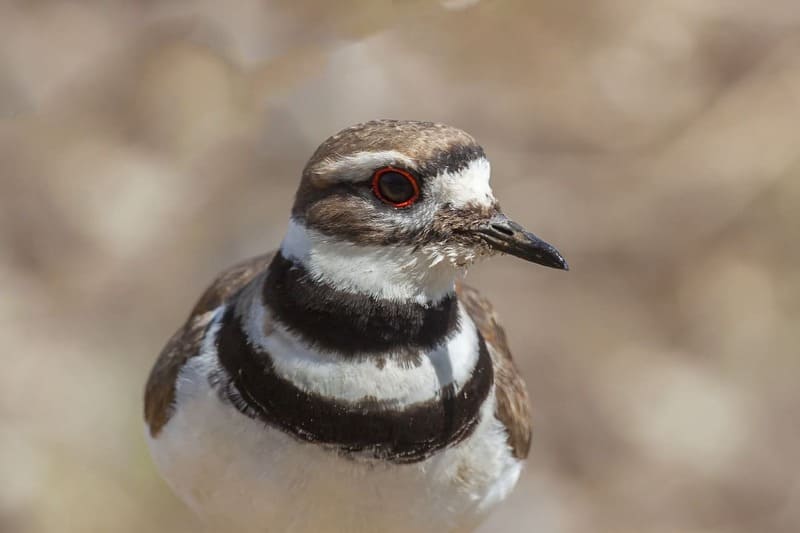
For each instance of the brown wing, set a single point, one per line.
(159, 392)
(512, 396)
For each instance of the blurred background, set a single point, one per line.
(146, 145)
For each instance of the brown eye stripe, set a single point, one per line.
(378, 178)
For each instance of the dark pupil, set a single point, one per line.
(395, 187)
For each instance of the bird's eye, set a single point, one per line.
(395, 186)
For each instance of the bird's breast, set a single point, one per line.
(234, 468)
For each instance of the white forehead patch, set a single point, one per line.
(468, 186)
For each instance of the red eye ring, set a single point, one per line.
(376, 186)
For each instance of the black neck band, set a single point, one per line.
(368, 426)
(354, 324)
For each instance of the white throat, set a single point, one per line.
(390, 272)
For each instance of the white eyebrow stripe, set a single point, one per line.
(354, 166)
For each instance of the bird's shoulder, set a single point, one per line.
(185, 343)
(513, 408)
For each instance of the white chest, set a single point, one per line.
(233, 469)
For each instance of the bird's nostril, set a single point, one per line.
(502, 229)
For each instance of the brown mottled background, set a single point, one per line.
(145, 145)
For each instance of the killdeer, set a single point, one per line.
(350, 381)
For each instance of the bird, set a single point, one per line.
(351, 381)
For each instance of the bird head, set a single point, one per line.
(399, 209)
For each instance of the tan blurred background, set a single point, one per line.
(145, 145)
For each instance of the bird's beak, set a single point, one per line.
(505, 235)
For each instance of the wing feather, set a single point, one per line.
(513, 408)
(159, 396)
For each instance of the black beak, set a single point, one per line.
(505, 235)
